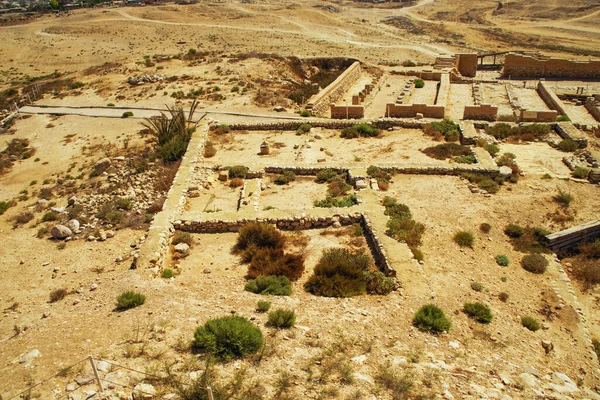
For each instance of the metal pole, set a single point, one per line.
(209, 391)
(96, 373)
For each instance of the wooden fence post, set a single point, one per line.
(96, 373)
(210, 394)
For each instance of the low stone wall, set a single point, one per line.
(347, 112)
(411, 110)
(382, 123)
(561, 242)
(550, 98)
(468, 133)
(319, 103)
(593, 107)
(377, 250)
(428, 75)
(567, 130)
(537, 115)
(478, 93)
(442, 170)
(536, 66)
(443, 90)
(482, 112)
(298, 223)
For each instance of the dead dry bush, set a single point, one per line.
(165, 177)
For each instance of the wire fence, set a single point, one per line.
(98, 380)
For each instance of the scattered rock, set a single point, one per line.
(182, 249)
(74, 225)
(547, 345)
(101, 166)
(505, 171)
(29, 357)
(60, 232)
(144, 391)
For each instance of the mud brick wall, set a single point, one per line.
(344, 112)
(467, 64)
(319, 103)
(550, 98)
(531, 66)
(483, 112)
(411, 110)
(537, 115)
(592, 105)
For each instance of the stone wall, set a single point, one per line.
(336, 124)
(411, 110)
(561, 242)
(537, 66)
(567, 130)
(550, 98)
(298, 223)
(443, 91)
(593, 107)
(468, 133)
(345, 112)
(319, 103)
(428, 75)
(483, 112)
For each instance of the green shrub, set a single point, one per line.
(329, 202)
(503, 130)
(563, 198)
(408, 63)
(502, 260)
(282, 318)
(445, 128)
(358, 130)
(479, 312)
(562, 118)
(485, 227)
(221, 129)
(568, 145)
(167, 273)
(326, 175)
(379, 174)
(470, 159)
(124, 203)
(407, 230)
(129, 299)
(580, 173)
(445, 151)
(430, 318)
(339, 273)
(535, 263)
(305, 113)
(285, 178)
(49, 216)
(238, 171)
(337, 188)
(173, 150)
(127, 114)
(514, 231)
(304, 128)
(419, 83)
(477, 286)
(530, 323)
(227, 337)
(492, 149)
(378, 283)
(270, 285)
(263, 306)
(483, 182)
(274, 262)
(596, 344)
(209, 149)
(182, 237)
(260, 235)
(464, 239)
(4, 205)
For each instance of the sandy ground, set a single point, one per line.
(467, 361)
